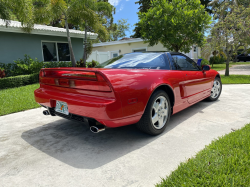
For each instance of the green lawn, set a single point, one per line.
(225, 162)
(17, 99)
(235, 79)
(219, 67)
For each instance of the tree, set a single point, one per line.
(121, 27)
(177, 25)
(217, 3)
(232, 30)
(74, 12)
(87, 15)
(146, 4)
(22, 10)
(102, 10)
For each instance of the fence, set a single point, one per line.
(99, 56)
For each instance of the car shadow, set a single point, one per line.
(72, 142)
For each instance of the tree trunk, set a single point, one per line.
(72, 56)
(85, 45)
(235, 58)
(213, 61)
(227, 67)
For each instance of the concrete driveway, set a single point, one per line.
(238, 70)
(49, 151)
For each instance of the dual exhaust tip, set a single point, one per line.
(46, 112)
(93, 128)
(97, 128)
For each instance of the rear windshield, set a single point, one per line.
(137, 61)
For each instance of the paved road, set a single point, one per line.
(238, 70)
(50, 151)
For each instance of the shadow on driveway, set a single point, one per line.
(73, 143)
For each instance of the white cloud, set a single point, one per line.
(121, 8)
(114, 2)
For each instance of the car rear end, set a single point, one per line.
(80, 94)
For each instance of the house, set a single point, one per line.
(45, 43)
(107, 50)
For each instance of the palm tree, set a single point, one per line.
(78, 13)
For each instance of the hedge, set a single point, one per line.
(21, 80)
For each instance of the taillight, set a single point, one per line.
(69, 74)
(75, 79)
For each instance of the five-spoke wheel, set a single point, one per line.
(156, 115)
(159, 112)
(216, 89)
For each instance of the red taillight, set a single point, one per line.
(75, 79)
(69, 74)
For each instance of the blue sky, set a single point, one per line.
(126, 9)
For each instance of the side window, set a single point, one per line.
(185, 63)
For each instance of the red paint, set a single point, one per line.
(118, 97)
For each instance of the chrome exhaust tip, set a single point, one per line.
(46, 112)
(97, 128)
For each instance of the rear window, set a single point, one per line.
(137, 61)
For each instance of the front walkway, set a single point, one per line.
(238, 70)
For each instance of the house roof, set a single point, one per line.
(131, 40)
(16, 26)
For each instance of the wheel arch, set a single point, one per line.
(168, 89)
(218, 75)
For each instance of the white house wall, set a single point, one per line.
(127, 48)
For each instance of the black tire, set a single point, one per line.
(145, 124)
(211, 98)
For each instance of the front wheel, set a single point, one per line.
(156, 115)
(216, 90)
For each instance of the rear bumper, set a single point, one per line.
(107, 111)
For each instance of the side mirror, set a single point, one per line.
(206, 68)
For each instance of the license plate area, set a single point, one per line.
(62, 107)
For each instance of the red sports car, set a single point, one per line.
(136, 88)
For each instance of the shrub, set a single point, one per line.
(217, 60)
(80, 63)
(92, 64)
(2, 73)
(56, 64)
(21, 80)
(204, 61)
(27, 66)
(9, 69)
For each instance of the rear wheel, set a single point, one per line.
(216, 90)
(156, 115)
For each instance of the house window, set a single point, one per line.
(139, 50)
(55, 51)
(114, 54)
(195, 49)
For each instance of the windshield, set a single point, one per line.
(137, 61)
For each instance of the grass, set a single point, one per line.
(219, 67)
(225, 162)
(17, 99)
(235, 79)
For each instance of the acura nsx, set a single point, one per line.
(142, 88)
